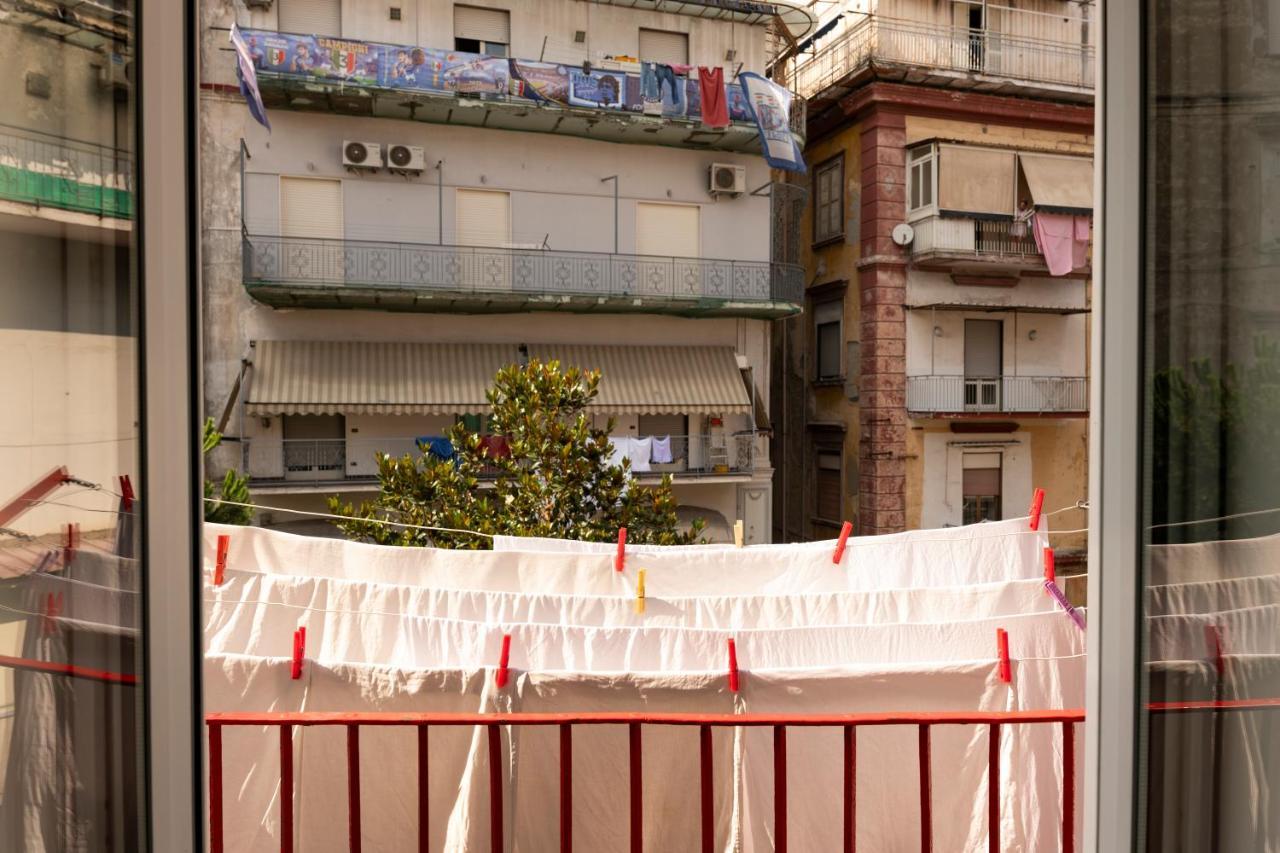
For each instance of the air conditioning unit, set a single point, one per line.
(361, 155)
(727, 179)
(116, 72)
(406, 159)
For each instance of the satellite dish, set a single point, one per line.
(903, 234)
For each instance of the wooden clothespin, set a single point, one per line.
(126, 492)
(504, 660)
(70, 542)
(1002, 648)
(1037, 504)
(1050, 574)
(220, 566)
(845, 530)
(640, 592)
(738, 533)
(733, 666)
(299, 652)
(619, 561)
(52, 610)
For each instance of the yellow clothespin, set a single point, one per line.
(737, 533)
(640, 591)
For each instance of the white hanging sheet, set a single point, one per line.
(1212, 596)
(980, 553)
(1213, 561)
(1247, 631)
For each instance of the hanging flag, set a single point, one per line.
(715, 108)
(248, 78)
(770, 106)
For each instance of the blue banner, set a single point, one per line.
(770, 106)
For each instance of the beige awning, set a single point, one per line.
(376, 378)
(1059, 183)
(373, 378)
(658, 380)
(976, 180)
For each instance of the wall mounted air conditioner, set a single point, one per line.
(727, 179)
(361, 155)
(406, 159)
(116, 72)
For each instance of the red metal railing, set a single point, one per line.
(635, 722)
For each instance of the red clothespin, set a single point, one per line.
(299, 652)
(220, 567)
(1213, 639)
(845, 530)
(1037, 504)
(52, 610)
(1002, 645)
(70, 542)
(1050, 573)
(733, 666)
(504, 659)
(620, 560)
(126, 492)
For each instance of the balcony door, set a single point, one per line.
(311, 230)
(484, 226)
(311, 17)
(315, 447)
(669, 240)
(983, 364)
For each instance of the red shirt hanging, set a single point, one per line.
(715, 108)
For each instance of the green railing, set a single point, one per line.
(50, 171)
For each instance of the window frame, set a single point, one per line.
(930, 157)
(821, 238)
(815, 307)
(821, 449)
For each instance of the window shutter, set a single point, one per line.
(491, 25)
(483, 218)
(311, 17)
(668, 230)
(664, 46)
(311, 207)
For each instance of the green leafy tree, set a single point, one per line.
(557, 480)
(233, 487)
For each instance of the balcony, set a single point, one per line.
(283, 464)
(330, 273)
(951, 396)
(319, 73)
(65, 181)
(953, 57)
(948, 242)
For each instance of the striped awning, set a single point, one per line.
(376, 378)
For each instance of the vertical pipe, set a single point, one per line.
(708, 800)
(615, 214)
(215, 788)
(1068, 787)
(780, 789)
(286, 788)
(637, 792)
(496, 843)
(424, 816)
(993, 788)
(353, 787)
(566, 788)
(926, 800)
(440, 200)
(850, 789)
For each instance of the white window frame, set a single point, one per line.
(930, 156)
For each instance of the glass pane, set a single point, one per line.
(70, 727)
(1209, 777)
(828, 350)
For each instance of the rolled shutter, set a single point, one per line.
(667, 230)
(483, 217)
(491, 25)
(311, 207)
(976, 180)
(664, 46)
(311, 17)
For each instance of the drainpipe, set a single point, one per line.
(614, 178)
(440, 200)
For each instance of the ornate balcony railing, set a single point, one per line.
(296, 270)
(998, 394)
(922, 46)
(50, 171)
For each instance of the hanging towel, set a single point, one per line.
(715, 107)
(662, 450)
(1080, 243)
(436, 445)
(1055, 237)
(641, 449)
(621, 449)
(649, 90)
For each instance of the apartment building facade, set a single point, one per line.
(448, 188)
(939, 373)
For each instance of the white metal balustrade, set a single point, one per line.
(1002, 394)
(962, 236)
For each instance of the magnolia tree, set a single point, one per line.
(554, 478)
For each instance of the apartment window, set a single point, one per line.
(311, 207)
(827, 483)
(828, 200)
(668, 230)
(664, 46)
(477, 30)
(827, 339)
(981, 487)
(483, 217)
(922, 178)
(311, 17)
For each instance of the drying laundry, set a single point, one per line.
(715, 106)
(640, 452)
(662, 450)
(1056, 237)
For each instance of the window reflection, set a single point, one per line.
(69, 473)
